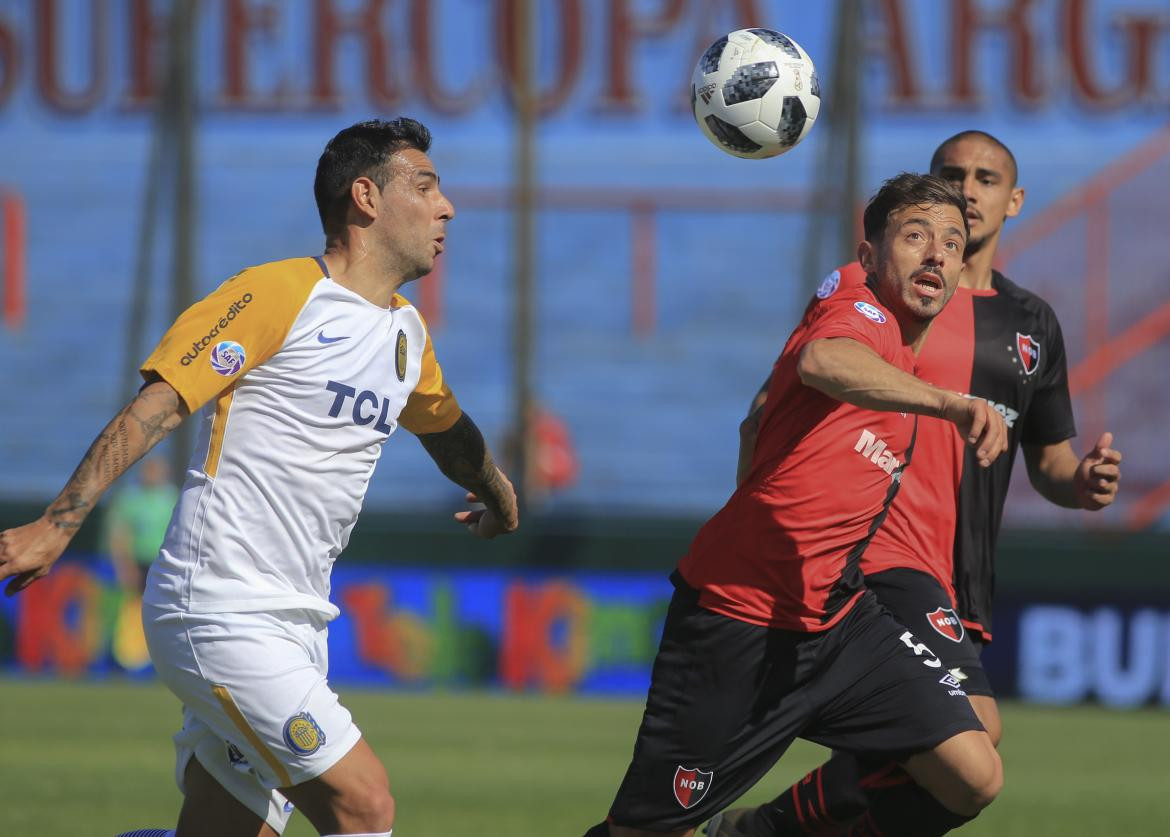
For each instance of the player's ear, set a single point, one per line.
(865, 255)
(364, 192)
(1016, 202)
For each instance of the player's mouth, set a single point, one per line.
(928, 284)
(438, 241)
(973, 216)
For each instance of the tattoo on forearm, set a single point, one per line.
(68, 512)
(120, 444)
(463, 457)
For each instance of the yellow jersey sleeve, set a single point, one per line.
(234, 329)
(432, 407)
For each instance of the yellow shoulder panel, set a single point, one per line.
(233, 329)
(432, 407)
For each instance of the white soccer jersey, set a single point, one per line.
(303, 381)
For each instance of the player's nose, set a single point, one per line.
(935, 254)
(969, 184)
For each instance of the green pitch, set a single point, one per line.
(94, 758)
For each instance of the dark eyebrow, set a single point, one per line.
(953, 170)
(428, 174)
(922, 222)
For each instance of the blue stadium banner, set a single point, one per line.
(587, 633)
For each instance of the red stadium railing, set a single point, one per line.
(642, 207)
(1105, 353)
(12, 221)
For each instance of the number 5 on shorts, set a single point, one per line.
(919, 649)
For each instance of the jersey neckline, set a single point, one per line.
(978, 291)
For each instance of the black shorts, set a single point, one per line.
(727, 699)
(920, 603)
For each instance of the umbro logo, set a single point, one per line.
(321, 338)
(953, 684)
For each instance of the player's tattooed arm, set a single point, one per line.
(27, 552)
(138, 427)
(463, 456)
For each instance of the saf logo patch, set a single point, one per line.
(691, 785)
(870, 311)
(227, 358)
(1028, 349)
(946, 622)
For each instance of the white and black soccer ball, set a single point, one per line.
(755, 93)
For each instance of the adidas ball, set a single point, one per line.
(755, 93)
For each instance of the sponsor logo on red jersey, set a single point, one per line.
(874, 449)
(690, 785)
(946, 622)
(870, 311)
(1029, 350)
(829, 285)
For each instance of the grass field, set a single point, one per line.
(94, 758)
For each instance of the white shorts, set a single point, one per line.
(257, 710)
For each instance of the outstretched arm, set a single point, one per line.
(462, 455)
(1089, 483)
(849, 371)
(27, 552)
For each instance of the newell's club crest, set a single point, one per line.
(302, 734)
(400, 356)
(1029, 351)
(946, 622)
(690, 786)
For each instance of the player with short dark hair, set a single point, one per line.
(301, 369)
(771, 634)
(361, 150)
(932, 562)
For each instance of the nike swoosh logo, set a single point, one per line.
(321, 338)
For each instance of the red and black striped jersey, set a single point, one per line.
(785, 550)
(1019, 366)
(1004, 345)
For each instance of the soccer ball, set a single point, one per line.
(755, 93)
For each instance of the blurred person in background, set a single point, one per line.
(554, 465)
(137, 522)
(932, 561)
(306, 366)
(135, 525)
(771, 633)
